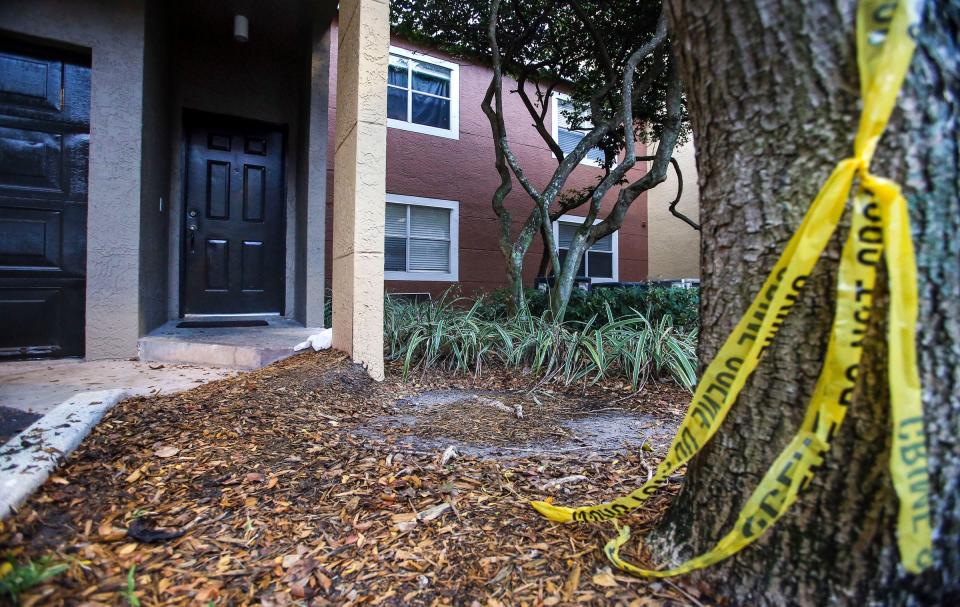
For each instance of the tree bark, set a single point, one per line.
(772, 88)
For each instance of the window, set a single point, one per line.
(600, 262)
(568, 139)
(421, 241)
(423, 94)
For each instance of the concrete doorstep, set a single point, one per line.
(228, 347)
(28, 459)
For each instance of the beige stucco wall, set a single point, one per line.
(674, 247)
(113, 32)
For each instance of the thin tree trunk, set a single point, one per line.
(565, 278)
(773, 93)
(514, 273)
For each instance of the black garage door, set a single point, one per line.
(44, 135)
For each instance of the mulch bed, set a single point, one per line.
(270, 489)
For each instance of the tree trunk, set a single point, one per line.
(513, 254)
(773, 93)
(566, 276)
(514, 273)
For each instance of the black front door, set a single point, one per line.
(233, 221)
(44, 141)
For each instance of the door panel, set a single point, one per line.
(252, 266)
(39, 321)
(233, 221)
(30, 238)
(44, 143)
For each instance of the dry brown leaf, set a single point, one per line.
(109, 533)
(406, 526)
(404, 517)
(573, 581)
(127, 549)
(503, 574)
(431, 513)
(325, 581)
(605, 578)
(166, 451)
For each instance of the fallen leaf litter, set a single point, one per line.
(306, 483)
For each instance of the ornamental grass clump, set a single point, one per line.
(454, 334)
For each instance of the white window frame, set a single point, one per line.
(454, 206)
(454, 131)
(555, 120)
(614, 245)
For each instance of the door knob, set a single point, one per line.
(192, 231)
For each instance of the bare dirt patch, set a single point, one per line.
(305, 483)
(504, 423)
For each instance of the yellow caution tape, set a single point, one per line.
(880, 224)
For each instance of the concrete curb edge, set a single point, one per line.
(49, 441)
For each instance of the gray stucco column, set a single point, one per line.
(312, 173)
(359, 190)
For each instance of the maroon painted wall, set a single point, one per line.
(463, 170)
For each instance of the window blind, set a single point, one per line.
(430, 222)
(395, 244)
(417, 238)
(597, 262)
(567, 230)
(429, 256)
(568, 139)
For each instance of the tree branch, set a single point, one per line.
(676, 201)
(589, 232)
(539, 117)
(495, 117)
(601, 47)
(658, 171)
(585, 231)
(541, 214)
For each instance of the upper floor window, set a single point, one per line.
(568, 138)
(421, 239)
(423, 94)
(600, 262)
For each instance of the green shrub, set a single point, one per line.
(18, 577)
(464, 336)
(681, 305)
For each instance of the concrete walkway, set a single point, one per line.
(29, 389)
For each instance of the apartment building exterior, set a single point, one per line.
(441, 229)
